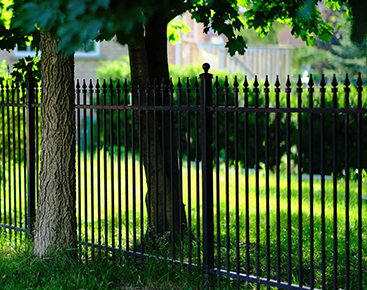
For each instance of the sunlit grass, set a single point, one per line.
(134, 218)
(113, 212)
(13, 199)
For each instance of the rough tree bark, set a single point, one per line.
(149, 61)
(56, 205)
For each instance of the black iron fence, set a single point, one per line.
(19, 145)
(272, 182)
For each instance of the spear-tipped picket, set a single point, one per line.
(346, 82)
(110, 86)
(188, 91)
(266, 84)
(288, 83)
(359, 90)
(299, 82)
(245, 83)
(235, 84)
(359, 81)
(277, 83)
(118, 91)
(179, 91)
(235, 90)
(266, 90)
(196, 90)
(216, 84)
(311, 82)
(245, 91)
(77, 87)
(323, 82)
(334, 82)
(256, 83)
(84, 86)
(170, 91)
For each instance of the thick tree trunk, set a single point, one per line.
(149, 62)
(56, 204)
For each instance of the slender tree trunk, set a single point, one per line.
(149, 62)
(56, 205)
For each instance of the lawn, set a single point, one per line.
(273, 226)
(257, 231)
(21, 270)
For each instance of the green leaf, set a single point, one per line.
(99, 4)
(76, 8)
(174, 28)
(236, 45)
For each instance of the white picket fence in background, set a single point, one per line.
(270, 60)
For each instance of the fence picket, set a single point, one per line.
(247, 219)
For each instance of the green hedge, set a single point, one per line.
(193, 71)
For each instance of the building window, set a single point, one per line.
(90, 51)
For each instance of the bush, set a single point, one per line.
(226, 143)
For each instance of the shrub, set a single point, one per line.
(188, 76)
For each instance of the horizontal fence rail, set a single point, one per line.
(258, 187)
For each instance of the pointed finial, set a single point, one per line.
(299, 82)
(277, 83)
(288, 83)
(196, 84)
(188, 83)
(256, 83)
(170, 85)
(266, 84)
(216, 83)
(323, 83)
(334, 83)
(245, 83)
(235, 84)
(226, 84)
(347, 82)
(179, 85)
(359, 81)
(310, 82)
(163, 84)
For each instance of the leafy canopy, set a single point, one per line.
(10, 35)
(76, 22)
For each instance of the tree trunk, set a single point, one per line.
(56, 204)
(149, 62)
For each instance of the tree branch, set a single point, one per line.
(179, 10)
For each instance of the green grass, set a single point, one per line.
(20, 269)
(133, 222)
(130, 239)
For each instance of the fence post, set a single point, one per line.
(207, 174)
(31, 166)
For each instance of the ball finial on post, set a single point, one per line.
(206, 67)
